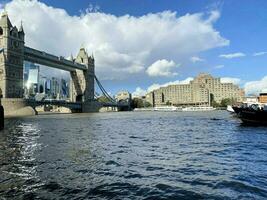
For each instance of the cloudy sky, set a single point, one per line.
(142, 45)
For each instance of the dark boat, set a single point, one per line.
(236, 109)
(252, 115)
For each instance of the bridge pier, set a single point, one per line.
(91, 106)
(2, 118)
(17, 107)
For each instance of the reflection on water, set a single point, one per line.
(133, 155)
(19, 142)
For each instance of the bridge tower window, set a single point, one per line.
(1, 31)
(79, 98)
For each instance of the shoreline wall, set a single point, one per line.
(14, 107)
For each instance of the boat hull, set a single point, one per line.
(250, 116)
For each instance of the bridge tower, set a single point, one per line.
(11, 58)
(82, 84)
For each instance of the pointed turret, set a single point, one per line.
(21, 30)
(4, 21)
(71, 58)
(82, 56)
(91, 59)
(5, 24)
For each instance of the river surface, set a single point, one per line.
(133, 155)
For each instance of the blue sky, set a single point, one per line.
(236, 31)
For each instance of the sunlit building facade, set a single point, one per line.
(200, 91)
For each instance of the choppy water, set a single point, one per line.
(132, 155)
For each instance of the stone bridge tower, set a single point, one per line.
(11, 58)
(82, 84)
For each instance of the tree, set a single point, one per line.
(213, 103)
(139, 103)
(168, 103)
(147, 104)
(103, 99)
(227, 101)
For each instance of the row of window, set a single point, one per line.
(14, 60)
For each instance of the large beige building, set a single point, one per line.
(199, 91)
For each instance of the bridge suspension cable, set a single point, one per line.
(104, 91)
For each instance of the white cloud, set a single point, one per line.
(260, 53)
(219, 66)
(122, 45)
(256, 87)
(91, 8)
(139, 92)
(233, 55)
(235, 81)
(214, 16)
(162, 68)
(196, 59)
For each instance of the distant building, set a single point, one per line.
(263, 98)
(55, 88)
(48, 87)
(41, 84)
(123, 96)
(200, 91)
(251, 99)
(64, 92)
(31, 79)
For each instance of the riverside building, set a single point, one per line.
(200, 91)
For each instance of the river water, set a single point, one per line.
(133, 155)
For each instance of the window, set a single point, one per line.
(162, 98)
(15, 44)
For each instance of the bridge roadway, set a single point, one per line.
(43, 58)
(71, 105)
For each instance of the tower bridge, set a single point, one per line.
(14, 52)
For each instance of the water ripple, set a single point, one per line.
(133, 156)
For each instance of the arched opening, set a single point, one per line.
(79, 98)
(1, 31)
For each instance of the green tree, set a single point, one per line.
(139, 103)
(147, 104)
(168, 103)
(227, 101)
(102, 99)
(213, 103)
